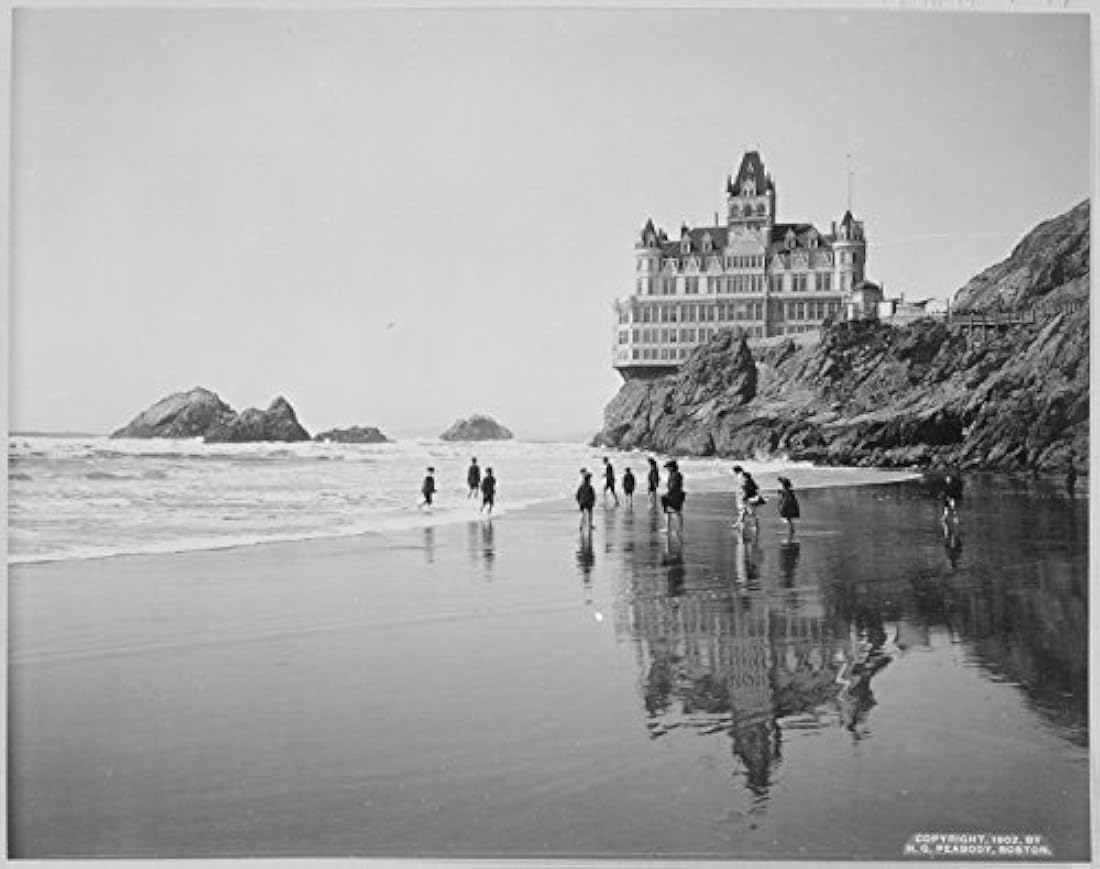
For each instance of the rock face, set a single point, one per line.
(200, 413)
(355, 435)
(180, 415)
(277, 423)
(476, 428)
(929, 393)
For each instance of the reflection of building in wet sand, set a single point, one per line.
(711, 659)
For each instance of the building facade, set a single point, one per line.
(769, 278)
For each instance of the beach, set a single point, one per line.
(510, 688)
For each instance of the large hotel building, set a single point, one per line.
(769, 278)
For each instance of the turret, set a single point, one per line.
(647, 256)
(850, 249)
(750, 196)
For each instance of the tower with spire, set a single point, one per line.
(748, 270)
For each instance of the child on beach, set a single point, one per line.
(654, 480)
(488, 491)
(609, 480)
(427, 489)
(628, 486)
(672, 502)
(788, 506)
(586, 499)
(473, 478)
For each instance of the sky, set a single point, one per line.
(399, 217)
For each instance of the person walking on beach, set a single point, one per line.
(609, 480)
(738, 499)
(628, 486)
(428, 488)
(488, 491)
(788, 506)
(473, 478)
(952, 494)
(672, 502)
(586, 499)
(654, 480)
(750, 499)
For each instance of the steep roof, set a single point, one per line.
(718, 235)
(751, 167)
(802, 233)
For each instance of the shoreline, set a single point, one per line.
(500, 689)
(413, 521)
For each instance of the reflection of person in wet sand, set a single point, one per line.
(673, 560)
(789, 553)
(586, 557)
(487, 548)
(953, 546)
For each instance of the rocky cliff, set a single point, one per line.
(929, 393)
(200, 413)
(277, 423)
(477, 428)
(180, 415)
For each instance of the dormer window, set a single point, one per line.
(748, 187)
(790, 240)
(685, 246)
(708, 245)
(735, 211)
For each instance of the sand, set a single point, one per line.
(500, 689)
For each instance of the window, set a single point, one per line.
(799, 283)
(691, 286)
(825, 282)
(777, 283)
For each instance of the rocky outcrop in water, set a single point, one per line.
(180, 415)
(930, 393)
(355, 435)
(477, 428)
(200, 413)
(277, 423)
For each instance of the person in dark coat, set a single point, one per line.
(672, 502)
(788, 505)
(628, 486)
(654, 480)
(749, 500)
(609, 480)
(488, 491)
(586, 499)
(427, 488)
(473, 478)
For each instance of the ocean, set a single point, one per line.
(92, 497)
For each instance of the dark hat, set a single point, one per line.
(737, 469)
(783, 481)
(431, 470)
(671, 463)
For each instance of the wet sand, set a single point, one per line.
(509, 689)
